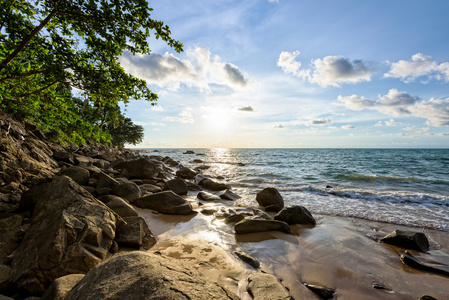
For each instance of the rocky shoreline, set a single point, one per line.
(101, 223)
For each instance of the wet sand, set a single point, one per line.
(339, 253)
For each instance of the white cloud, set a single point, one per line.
(329, 71)
(393, 103)
(318, 122)
(419, 65)
(245, 108)
(348, 127)
(157, 108)
(436, 111)
(390, 122)
(185, 116)
(198, 70)
(273, 1)
(280, 126)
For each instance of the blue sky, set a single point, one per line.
(289, 73)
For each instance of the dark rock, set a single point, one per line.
(248, 259)
(90, 189)
(420, 263)
(106, 181)
(208, 211)
(141, 168)
(186, 173)
(137, 181)
(380, 286)
(177, 185)
(197, 161)
(83, 161)
(129, 191)
(189, 152)
(102, 164)
(103, 191)
(270, 196)
(229, 195)
(135, 234)
(234, 218)
(114, 248)
(295, 214)
(209, 184)
(30, 198)
(64, 156)
(61, 286)
(407, 239)
(427, 297)
(120, 207)
(256, 225)
(6, 284)
(170, 161)
(70, 233)
(149, 188)
(323, 292)
(193, 187)
(273, 208)
(266, 286)
(79, 174)
(207, 196)
(220, 177)
(165, 202)
(143, 275)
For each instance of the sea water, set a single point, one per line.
(402, 186)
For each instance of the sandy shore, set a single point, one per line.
(339, 253)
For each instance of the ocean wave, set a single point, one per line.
(362, 177)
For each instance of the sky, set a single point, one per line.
(297, 74)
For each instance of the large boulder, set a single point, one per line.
(270, 196)
(177, 185)
(257, 225)
(106, 182)
(407, 239)
(207, 196)
(267, 286)
(209, 184)
(149, 188)
(71, 232)
(142, 275)
(135, 234)
(79, 174)
(186, 173)
(141, 168)
(165, 202)
(129, 191)
(61, 286)
(120, 206)
(295, 214)
(229, 195)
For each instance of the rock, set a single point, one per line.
(177, 185)
(120, 207)
(129, 191)
(170, 161)
(189, 152)
(102, 163)
(270, 196)
(256, 225)
(208, 211)
(83, 161)
(106, 181)
(295, 214)
(248, 259)
(273, 208)
(323, 292)
(61, 286)
(229, 195)
(135, 233)
(165, 202)
(6, 284)
(193, 187)
(141, 168)
(30, 198)
(266, 286)
(420, 263)
(10, 220)
(79, 174)
(197, 161)
(209, 184)
(64, 156)
(234, 218)
(427, 297)
(407, 239)
(70, 233)
(207, 196)
(186, 173)
(150, 188)
(142, 275)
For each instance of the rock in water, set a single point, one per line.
(407, 239)
(142, 275)
(207, 196)
(417, 262)
(209, 184)
(257, 225)
(71, 232)
(323, 292)
(266, 286)
(248, 259)
(270, 196)
(186, 173)
(165, 202)
(229, 195)
(295, 214)
(177, 185)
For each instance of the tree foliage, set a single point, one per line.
(50, 48)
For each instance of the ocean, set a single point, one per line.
(402, 186)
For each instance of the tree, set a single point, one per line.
(75, 44)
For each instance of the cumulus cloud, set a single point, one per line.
(280, 126)
(198, 70)
(348, 127)
(185, 116)
(419, 65)
(393, 103)
(329, 71)
(246, 108)
(157, 108)
(319, 122)
(390, 122)
(436, 111)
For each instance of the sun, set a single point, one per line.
(218, 118)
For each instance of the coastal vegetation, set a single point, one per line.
(60, 67)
